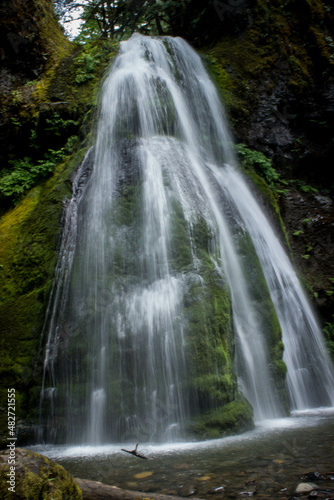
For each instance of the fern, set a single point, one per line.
(25, 174)
(258, 161)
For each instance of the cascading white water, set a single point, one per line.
(310, 376)
(121, 352)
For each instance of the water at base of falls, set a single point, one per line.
(270, 460)
(160, 243)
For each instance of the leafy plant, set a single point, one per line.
(57, 125)
(17, 97)
(303, 187)
(308, 189)
(331, 290)
(25, 174)
(86, 68)
(258, 161)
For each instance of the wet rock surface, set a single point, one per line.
(309, 221)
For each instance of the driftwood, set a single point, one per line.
(134, 452)
(93, 490)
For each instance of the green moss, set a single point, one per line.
(215, 65)
(234, 417)
(38, 477)
(28, 236)
(259, 169)
(236, 66)
(210, 344)
(181, 256)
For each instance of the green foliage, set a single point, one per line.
(308, 189)
(17, 97)
(58, 126)
(302, 186)
(25, 174)
(88, 63)
(252, 159)
(15, 121)
(119, 20)
(330, 291)
(86, 67)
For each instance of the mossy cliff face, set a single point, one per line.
(31, 41)
(30, 37)
(30, 235)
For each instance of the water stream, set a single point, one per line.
(118, 328)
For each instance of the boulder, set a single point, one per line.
(31, 476)
(305, 488)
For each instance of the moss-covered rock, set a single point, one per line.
(50, 114)
(210, 340)
(30, 36)
(34, 476)
(232, 418)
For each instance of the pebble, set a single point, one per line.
(304, 488)
(218, 489)
(143, 475)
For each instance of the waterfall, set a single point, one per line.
(165, 239)
(310, 377)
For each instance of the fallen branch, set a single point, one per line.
(134, 452)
